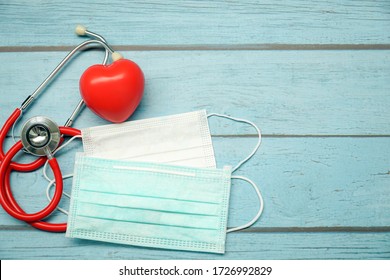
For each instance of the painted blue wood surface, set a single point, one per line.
(324, 163)
(26, 23)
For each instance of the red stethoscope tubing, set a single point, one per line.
(7, 199)
(3, 134)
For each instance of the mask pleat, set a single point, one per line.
(148, 235)
(189, 154)
(141, 183)
(149, 203)
(144, 216)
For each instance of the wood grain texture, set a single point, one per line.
(284, 92)
(29, 23)
(39, 245)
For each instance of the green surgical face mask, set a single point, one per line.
(152, 204)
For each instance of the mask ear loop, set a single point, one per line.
(260, 197)
(242, 121)
(261, 201)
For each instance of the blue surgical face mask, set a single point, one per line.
(152, 204)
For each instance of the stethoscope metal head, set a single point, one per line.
(40, 136)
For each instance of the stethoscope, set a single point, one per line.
(41, 136)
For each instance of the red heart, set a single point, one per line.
(113, 91)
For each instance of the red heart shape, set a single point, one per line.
(113, 91)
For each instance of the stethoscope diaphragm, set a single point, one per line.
(40, 136)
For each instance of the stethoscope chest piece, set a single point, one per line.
(40, 136)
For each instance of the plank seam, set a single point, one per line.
(216, 47)
(353, 229)
(288, 136)
(340, 229)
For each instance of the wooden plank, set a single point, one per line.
(284, 92)
(42, 245)
(198, 23)
(306, 182)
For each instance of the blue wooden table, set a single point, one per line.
(313, 75)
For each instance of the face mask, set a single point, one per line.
(153, 204)
(182, 139)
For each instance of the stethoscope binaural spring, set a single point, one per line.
(41, 136)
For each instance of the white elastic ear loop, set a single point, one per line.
(52, 181)
(243, 121)
(50, 185)
(259, 212)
